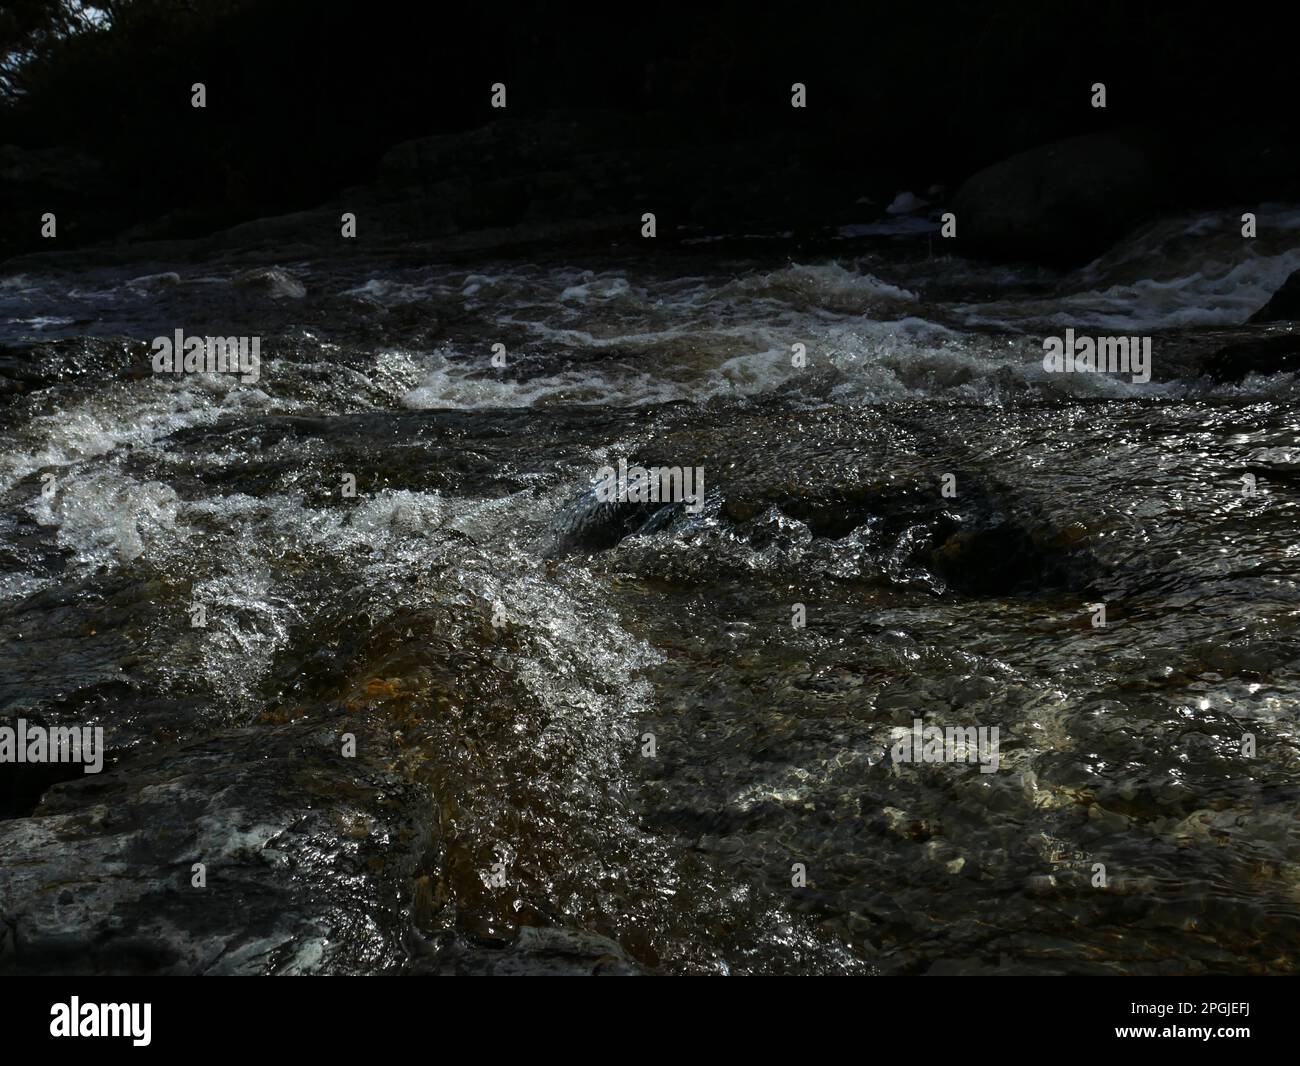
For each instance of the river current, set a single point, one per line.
(614, 705)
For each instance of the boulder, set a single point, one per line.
(310, 860)
(1061, 204)
(272, 282)
(1283, 305)
(1267, 355)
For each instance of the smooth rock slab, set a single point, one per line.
(310, 859)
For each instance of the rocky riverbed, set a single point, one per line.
(469, 718)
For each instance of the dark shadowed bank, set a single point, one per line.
(307, 98)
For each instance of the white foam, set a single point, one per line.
(825, 285)
(1180, 272)
(121, 413)
(458, 389)
(106, 518)
(598, 289)
(41, 322)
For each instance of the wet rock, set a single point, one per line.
(310, 858)
(843, 479)
(1267, 355)
(977, 544)
(990, 554)
(26, 367)
(1283, 305)
(272, 282)
(1060, 204)
(591, 524)
(829, 510)
(155, 282)
(1281, 463)
(66, 662)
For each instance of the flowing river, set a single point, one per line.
(619, 724)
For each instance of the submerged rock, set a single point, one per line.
(272, 282)
(155, 282)
(309, 859)
(856, 480)
(592, 524)
(533, 953)
(1267, 355)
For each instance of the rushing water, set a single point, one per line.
(519, 641)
